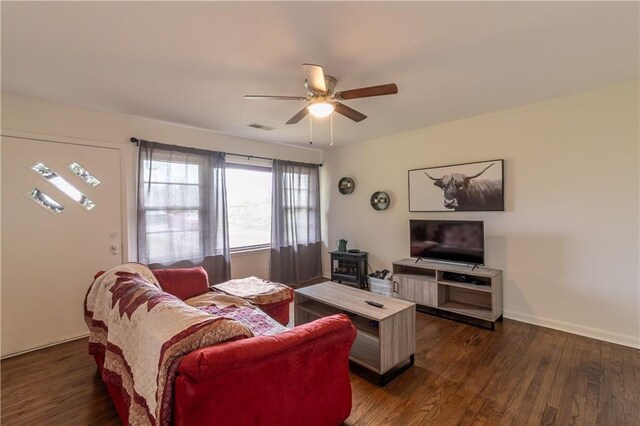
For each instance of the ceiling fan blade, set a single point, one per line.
(364, 92)
(315, 76)
(349, 112)
(299, 116)
(275, 98)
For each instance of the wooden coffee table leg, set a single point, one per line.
(395, 372)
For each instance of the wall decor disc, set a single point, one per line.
(346, 185)
(380, 200)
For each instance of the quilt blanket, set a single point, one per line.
(237, 309)
(142, 332)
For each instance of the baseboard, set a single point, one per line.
(46, 345)
(594, 333)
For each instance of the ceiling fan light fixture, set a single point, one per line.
(320, 109)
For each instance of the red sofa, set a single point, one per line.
(297, 377)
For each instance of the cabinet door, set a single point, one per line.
(416, 290)
(405, 288)
(425, 292)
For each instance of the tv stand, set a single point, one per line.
(464, 293)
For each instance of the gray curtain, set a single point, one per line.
(182, 209)
(295, 222)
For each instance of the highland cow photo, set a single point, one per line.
(460, 187)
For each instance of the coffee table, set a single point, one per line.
(386, 339)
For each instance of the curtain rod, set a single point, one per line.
(137, 142)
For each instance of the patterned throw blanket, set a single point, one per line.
(142, 332)
(237, 309)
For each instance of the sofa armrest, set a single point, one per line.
(206, 363)
(184, 283)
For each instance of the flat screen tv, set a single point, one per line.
(458, 241)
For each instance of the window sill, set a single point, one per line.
(248, 251)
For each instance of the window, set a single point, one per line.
(182, 209)
(84, 174)
(298, 205)
(172, 210)
(45, 201)
(248, 205)
(63, 185)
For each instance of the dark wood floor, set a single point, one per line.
(519, 374)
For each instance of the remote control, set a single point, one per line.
(372, 303)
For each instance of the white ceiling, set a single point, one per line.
(191, 63)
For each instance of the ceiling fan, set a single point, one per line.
(321, 99)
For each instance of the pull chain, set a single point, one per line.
(310, 129)
(331, 144)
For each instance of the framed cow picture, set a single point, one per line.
(460, 187)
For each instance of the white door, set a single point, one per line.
(49, 256)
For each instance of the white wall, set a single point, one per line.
(568, 239)
(54, 121)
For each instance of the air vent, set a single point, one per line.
(260, 126)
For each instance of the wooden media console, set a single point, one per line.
(452, 291)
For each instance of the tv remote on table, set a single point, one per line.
(372, 303)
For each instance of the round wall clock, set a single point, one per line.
(380, 200)
(346, 185)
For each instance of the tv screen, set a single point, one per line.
(448, 240)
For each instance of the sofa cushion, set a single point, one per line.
(183, 283)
